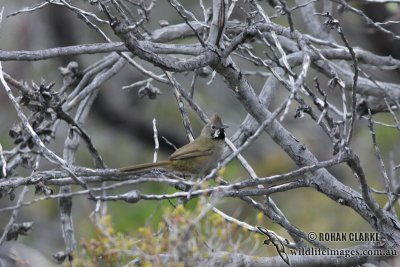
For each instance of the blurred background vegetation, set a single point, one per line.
(120, 125)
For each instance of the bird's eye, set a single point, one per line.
(213, 127)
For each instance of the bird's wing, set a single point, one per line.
(198, 147)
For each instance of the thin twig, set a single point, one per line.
(156, 143)
(181, 105)
(386, 180)
(3, 163)
(13, 215)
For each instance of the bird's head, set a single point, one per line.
(215, 129)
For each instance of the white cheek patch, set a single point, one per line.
(216, 133)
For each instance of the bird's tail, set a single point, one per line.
(144, 166)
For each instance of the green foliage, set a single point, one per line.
(183, 235)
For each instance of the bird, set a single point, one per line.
(197, 157)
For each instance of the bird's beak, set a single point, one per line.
(224, 126)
